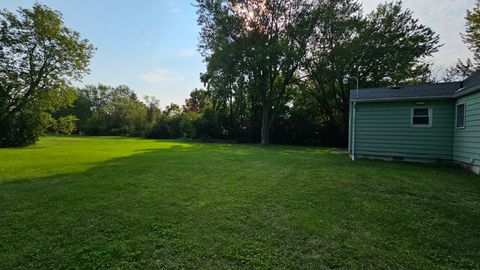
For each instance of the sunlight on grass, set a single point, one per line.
(71, 155)
(103, 203)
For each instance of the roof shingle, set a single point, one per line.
(438, 90)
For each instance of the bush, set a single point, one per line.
(21, 130)
(175, 126)
(66, 125)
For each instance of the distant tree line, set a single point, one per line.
(117, 111)
(274, 73)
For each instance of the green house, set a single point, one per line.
(432, 122)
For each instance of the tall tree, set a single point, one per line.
(463, 69)
(472, 34)
(386, 47)
(268, 38)
(153, 108)
(39, 57)
(334, 52)
(198, 100)
(106, 110)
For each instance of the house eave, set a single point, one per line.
(463, 92)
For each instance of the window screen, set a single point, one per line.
(421, 117)
(460, 115)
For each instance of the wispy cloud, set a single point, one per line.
(176, 10)
(187, 53)
(161, 76)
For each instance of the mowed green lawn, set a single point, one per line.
(74, 202)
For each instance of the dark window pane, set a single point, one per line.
(421, 120)
(420, 112)
(460, 115)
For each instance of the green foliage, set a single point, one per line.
(257, 46)
(123, 203)
(209, 125)
(172, 110)
(460, 71)
(463, 69)
(153, 108)
(126, 117)
(472, 35)
(386, 47)
(273, 70)
(66, 125)
(394, 46)
(23, 129)
(170, 126)
(198, 100)
(259, 52)
(39, 57)
(105, 110)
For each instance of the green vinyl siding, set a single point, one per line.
(466, 144)
(384, 129)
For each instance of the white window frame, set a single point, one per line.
(430, 117)
(464, 115)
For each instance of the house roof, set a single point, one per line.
(471, 84)
(472, 81)
(423, 91)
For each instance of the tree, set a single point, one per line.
(260, 53)
(126, 116)
(106, 110)
(39, 57)
(461, 69)
(386, 47)
(268, 38)
(472, 34)
(153, 108)
(198, 100)
(172, 109)
(334, 52)
(66, 125)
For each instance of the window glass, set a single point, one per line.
(420, 112)
(421, 117)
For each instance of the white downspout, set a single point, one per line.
(353, 117)
(354, 109)
(350, 129)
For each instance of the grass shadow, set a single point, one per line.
(220, 206)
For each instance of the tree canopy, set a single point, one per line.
(39, 58)
(274, 72)
(464, 68)
(260, 54)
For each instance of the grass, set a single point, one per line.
(73, 202)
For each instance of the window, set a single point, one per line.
(460, 116)
(421, 117)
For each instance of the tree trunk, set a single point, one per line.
(267, 118)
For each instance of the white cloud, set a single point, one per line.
(176, 10)
(161, 76)
(187, 53)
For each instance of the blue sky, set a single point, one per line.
(151, 45)
(147, 45)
